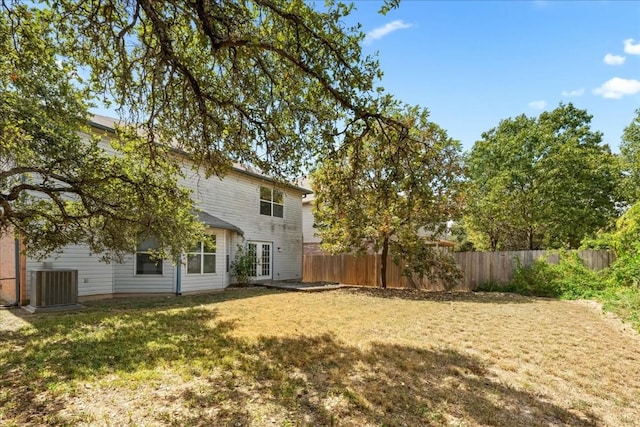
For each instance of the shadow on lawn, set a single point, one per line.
(172, 301)
(296, 380)
(318, 381)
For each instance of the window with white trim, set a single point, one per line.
(146, 263)
(202, 258)
(271, 202)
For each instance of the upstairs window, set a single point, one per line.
(145, 262)
(202, 258)
(271, 202)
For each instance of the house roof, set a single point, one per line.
(108, 124)
(443, 243)
(310, 196)
(215, 222)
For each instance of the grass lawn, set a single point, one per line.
(349, 358)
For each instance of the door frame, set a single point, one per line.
(260, 244)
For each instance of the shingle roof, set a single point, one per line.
(108, 124)
(215, 222)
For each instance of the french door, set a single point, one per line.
(261, 266)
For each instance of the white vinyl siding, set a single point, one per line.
(308, 230)
(94, 276)
(126, 281)
(207, 282)
(234, 199)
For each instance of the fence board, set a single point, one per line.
(476, 267)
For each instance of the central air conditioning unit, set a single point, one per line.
(54, 288)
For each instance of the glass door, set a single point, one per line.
(261, 266)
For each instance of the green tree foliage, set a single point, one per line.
(543, 182)
(261, 82)
(458, 233)
(626, 236)
(630, 160)
(383, 196)
(624, 240)
(242, 265)
(59, 187)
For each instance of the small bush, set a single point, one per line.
(241, 266)
(493, 286)
(617, 287)
(625, 271)
(624, 301)
(536, 280)
(568, 279)
(577, 281)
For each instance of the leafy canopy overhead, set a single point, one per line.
(393, 191)
(270, 83)
(261, 82)
(543, 182)
(630, 159)
(58, 186)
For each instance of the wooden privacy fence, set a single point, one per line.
(476, 267)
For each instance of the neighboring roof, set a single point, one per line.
(308, 197)
(215, 222)
(103, 122)
(108, 124)
(443, 243)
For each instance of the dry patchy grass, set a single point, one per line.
(350, 357)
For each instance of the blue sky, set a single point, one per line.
(474, 63)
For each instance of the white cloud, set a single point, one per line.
(630, 48)
(575, 92)
(538, 105)
(611, 59)
(380, 32)
(617, 87)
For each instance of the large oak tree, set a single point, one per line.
(544, 182)
(58, 184)
(262, 82)
(392, 192)
(269, 83)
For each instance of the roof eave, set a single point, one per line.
(234, 168)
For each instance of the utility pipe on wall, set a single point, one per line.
(179, 277)
(18, 271)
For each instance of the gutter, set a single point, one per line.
(179, 277)
(18, 272)
(16, 302)
(234, 168)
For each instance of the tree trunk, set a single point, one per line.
(530, 238)
(493, 240)
(383, 262)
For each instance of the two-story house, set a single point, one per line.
(242, 208)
